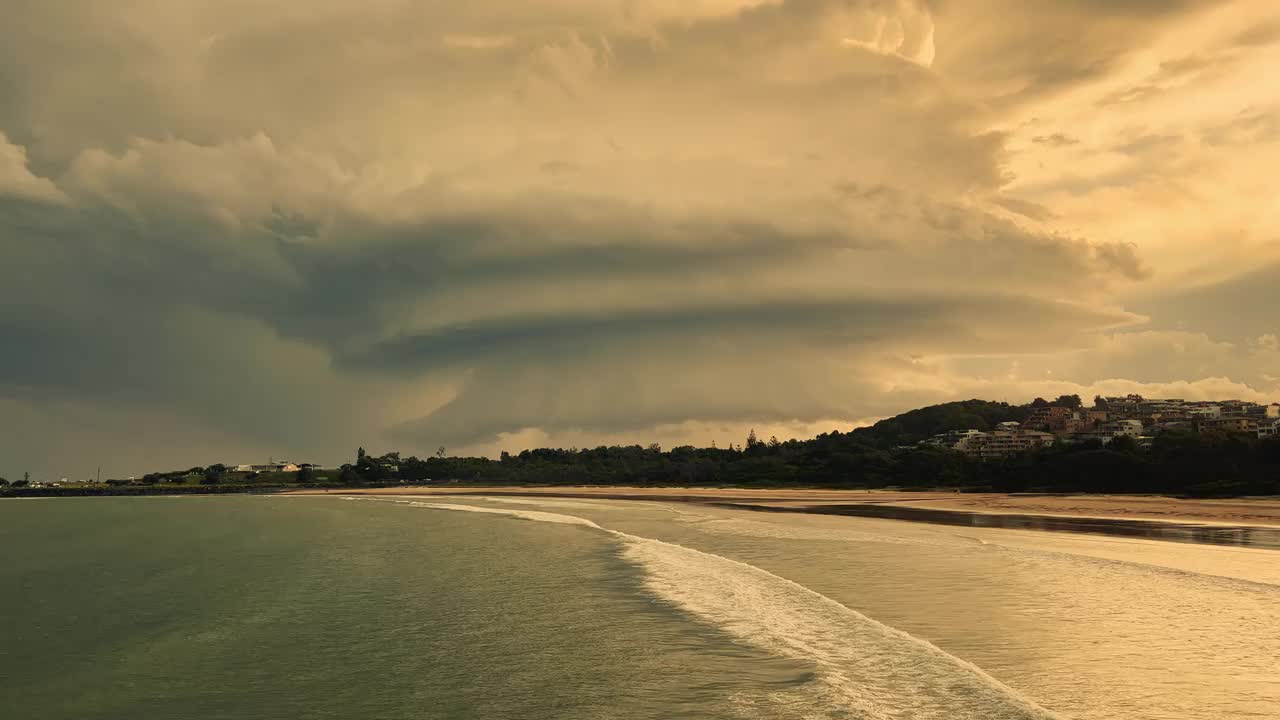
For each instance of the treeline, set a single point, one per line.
(883, 455)
(1205, 465)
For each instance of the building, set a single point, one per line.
(1052, 418)
(1205, 412)
(955, 440)
(1106, 432)
(1124, 428)
(1234, 423)
(1269, 429)
(269, 467)
(1127, 405)
(1003, 443)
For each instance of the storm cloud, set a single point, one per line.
(229, 230)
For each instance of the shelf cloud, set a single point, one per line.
(302, 227)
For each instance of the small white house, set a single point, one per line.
(1126, 428)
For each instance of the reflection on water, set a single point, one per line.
(1240, 536)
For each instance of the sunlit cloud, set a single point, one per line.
(306, 226)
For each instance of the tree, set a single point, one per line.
(752, 440)
(349, 476)
(21, 483)
(1099, 402)
(440, 452)
(211, 477)
(305, 476)
(3, 482)
(360, 456)
(1069, 401)
(1123, 444)
(1039, 403)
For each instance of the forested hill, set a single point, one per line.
(913, 426)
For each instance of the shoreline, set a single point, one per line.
(1259, 512)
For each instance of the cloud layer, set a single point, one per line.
(296, 229)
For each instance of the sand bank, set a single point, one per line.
(1250, 511)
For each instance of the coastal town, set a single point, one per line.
(958, 443)
(1132, 416)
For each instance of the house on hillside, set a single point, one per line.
(1052, 418)
(1269, 429)
(960, 440)
(1003, 443)
(1232, 423)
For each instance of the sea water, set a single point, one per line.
(323, 607)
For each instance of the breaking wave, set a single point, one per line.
(863, 669)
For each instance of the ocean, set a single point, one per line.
(233, 608)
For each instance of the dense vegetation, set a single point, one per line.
(883, 455)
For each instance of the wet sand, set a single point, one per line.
(1243, 522)
(1251, 511)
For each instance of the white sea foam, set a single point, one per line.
(571, 504)
(522, 514)
(864, 670)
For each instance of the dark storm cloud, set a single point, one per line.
(308, 225)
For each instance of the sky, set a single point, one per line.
(233, 230)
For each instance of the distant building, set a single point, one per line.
(1205, 412)
(269, 467)
(956, 439)
(1003, 443)
(1125, 428)
(1234, 423)
(1127, 405)
(1269, 429)
(1106, 432)
(1052, 418)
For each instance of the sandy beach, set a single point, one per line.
(1246, 511)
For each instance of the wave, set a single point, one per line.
(522, 514)
(864, 670)
(572, 504)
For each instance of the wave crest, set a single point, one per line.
(864, 670)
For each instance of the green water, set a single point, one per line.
(260, 608)
(465, 608)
